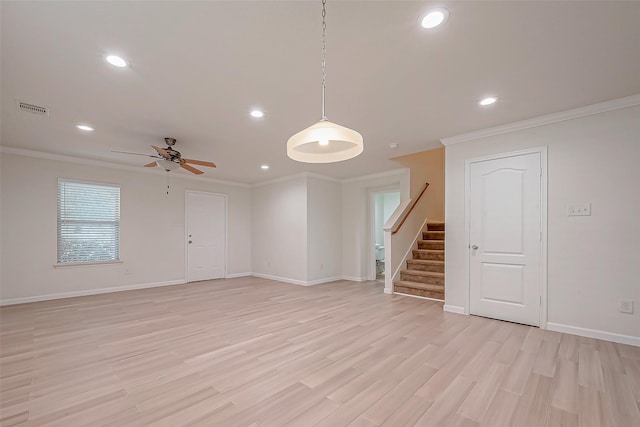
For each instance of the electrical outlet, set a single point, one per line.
(626, 306)
(579, 209)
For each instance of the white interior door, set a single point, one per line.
(206, 240)
(505, 238)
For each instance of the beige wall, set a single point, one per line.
(427, 166)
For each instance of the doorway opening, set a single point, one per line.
(383, 204)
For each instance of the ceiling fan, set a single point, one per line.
(170, 159)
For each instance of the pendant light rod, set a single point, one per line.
(324, 54)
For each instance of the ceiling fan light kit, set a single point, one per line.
(170, 159)
(168, 165)
(324, 142)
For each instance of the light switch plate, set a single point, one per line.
(579, 209)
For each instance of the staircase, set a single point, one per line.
(424, 276)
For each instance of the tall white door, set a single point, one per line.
(505, 238)
(206, 226)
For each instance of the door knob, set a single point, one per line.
(474, 247)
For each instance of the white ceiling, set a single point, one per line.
(198, 68)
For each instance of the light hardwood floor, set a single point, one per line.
(254, 352)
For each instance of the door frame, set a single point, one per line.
(543, 223)
(186, 230)
(371, 238)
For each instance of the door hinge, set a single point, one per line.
(541, 236)
(540, 171)
(540, 302)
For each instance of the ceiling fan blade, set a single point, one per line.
(162, 152)
(135, 154)
(200, 162)
(191, 169)
(151, 165)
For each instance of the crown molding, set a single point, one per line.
(328, 178)
(295, 176)
(394, 172)
(576, 113)
(281, 179)
(323, 177)
(100, 163)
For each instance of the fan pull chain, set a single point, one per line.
(167, 183)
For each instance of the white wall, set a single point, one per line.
(379, 207)
(593, 262)
(391, 202)
(299, 229)
(324, 225)
(355, 219)
(279, 229)
(385, 205)
(152, 228)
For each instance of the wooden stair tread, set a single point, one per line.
(426, 261)
(422, 273)
(424, 276)
(417, 285)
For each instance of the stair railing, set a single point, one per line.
(413, 205)
(399, 241)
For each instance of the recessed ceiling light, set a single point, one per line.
(257, 114)
(394, 145)
(264, 167)
(85, 128)
(116, 61)
(434, 18)
(488, 101)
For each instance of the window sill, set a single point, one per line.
(85, 264)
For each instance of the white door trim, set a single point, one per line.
(186, 227)
(543, 223)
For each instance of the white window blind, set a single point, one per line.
(88, 222)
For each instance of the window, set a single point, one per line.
(88, 222)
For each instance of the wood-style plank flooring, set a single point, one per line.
(254, 352)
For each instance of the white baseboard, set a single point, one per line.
(453, 309)
(594, 333)
(325, 280)
(236, 275)
(87, 292)
(279, 279)
(308, 283)
(354, 278)
(296, 281)
(418, 296)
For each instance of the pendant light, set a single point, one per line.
(324, 142)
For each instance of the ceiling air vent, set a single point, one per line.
(32, 108)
